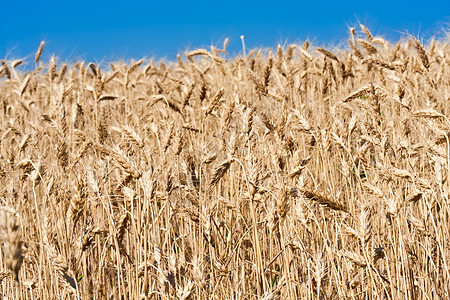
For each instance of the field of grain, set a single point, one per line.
(296, 173)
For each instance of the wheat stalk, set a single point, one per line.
(422, 54)
(328, 54)
(323, 200)
(12, 243)
(215, 101)
(367, 32)
(39, 52)
(220, 171)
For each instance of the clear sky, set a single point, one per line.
(98, 30)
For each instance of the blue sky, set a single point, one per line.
(111, 30)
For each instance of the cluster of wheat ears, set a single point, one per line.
(297, 173)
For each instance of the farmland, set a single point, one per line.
(290, 173)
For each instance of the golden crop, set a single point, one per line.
(300, 174)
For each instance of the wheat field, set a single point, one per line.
(295, 173)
